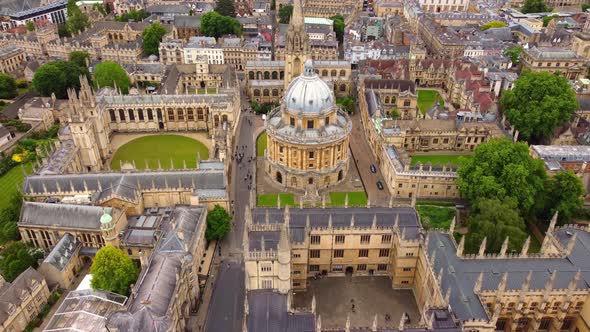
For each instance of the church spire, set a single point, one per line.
(297, 16)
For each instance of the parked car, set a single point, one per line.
(373, 169)
(380, 185)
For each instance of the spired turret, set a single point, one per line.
(108, 227)
(284, 262)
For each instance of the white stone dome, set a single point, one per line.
(308, 93)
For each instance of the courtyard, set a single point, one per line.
(370, 295)
(442, 159)
(149, 149)
(427, 98)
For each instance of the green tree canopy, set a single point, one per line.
(538, 104)
(136, 15)
(56, 77)
(226, 8)
(585, 6)
(77, 20)
(9, 217)
(62, 31)
(111, 74)
(79, 58)
(565, 193)
(218, 223)
(548, 19)
(113, 270)
(513, 52)
(494, 220)
(534, 6)
(7, 86)
(285, 14)
(15, 259)
(152, 36)
(30, 26)
(215, 25)
(493, 24)
(501, 169)
(338, 25)
(346, 103)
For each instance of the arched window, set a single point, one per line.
(275, 75)
(279, 177)
(343, 87)
(333, 73)
(266, 75)
(251, 75)
(342, 73)
(265, 92)
(275, 92)
(256, 93)
(324, 72)
(112, 114)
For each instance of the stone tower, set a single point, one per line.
(296, 45)
(89, 128)
(108, 228)
(284, 261)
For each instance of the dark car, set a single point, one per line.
(380, 185)
(373, 169)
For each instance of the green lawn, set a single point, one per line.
(355, 198)
(261, 144)
(270, 200)
(438, 159)
(435, 217)
(9, 181)
(162, 147)
(426, 99)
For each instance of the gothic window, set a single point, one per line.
(256, 93)
(200, 115)
(180, 115)
(266, 75)
(191, 115)
(251, 75)
(324, 73)
(333, 73)
(343, 87)
(170, 115)
(275, 92)
(265, 92)
(122, 115)
(275, 75)
(112, 114)
(342, 73)
(140, 115)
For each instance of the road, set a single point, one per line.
(363, 159)
(226, 308)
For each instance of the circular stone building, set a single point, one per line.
(307, 135)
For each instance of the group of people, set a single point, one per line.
(239, 157)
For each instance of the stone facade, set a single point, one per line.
(22, 299)
(11, 59)
(552, 60)
(307, 136)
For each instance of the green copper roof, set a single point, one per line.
(106, 217)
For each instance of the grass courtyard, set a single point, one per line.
(270, 200)
(261, 144)
(455, 160)
(355, 198)
(9, 181)
(163, 148)
(426, 99)
(435, 216)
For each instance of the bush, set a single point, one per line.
(18, 125)
(22, 84)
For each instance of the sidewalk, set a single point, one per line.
(198, 321)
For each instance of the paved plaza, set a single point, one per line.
(370, 296)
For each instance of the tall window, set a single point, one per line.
(131, 115)
(122, 115)
(314, 268)
(314, 253)
(382, 267)
(339, 239)
(309, 124)
(150, 114)
(170, 115)
(266, 283)
(266, 267)
(386, 238)
(315, 239)
(365, 239)
(361, 267)
(140, 115)
(292, 121)
(364, 253)
(384, 253)
(339, 253)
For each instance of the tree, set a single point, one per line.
(534, 6)
(226, 8)
(56, 77)
(15, 260)
(346, 103)
(501, 169)
(493, 24)
(495, 220)
(218, 223)
(548, 19)
(62, 31)
(107, 8)
(9, 217)
(338, 24)
(113, 271)
(394, 114)
(152, 36)
(273, 5)
(513, 52)
(79, 58)
(285, 14)
(111, 74)
(77, 20)
(136, 15)
(539, 103)
(585, 6)
(215, 25)
(565, 195)
(30, 26)
(7, 86)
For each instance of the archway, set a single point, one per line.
(349, 270)
(296, 67)
(310, 181)
(340, 175)
(279, 177)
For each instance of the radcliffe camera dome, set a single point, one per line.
(308, 93)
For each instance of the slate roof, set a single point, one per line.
(11, 293)
(63, 215)
(148, 311)
(268, 313)
(125, 185)
(461, 274)
(63, 252)
(318, 217)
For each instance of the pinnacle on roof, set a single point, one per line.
(297, 16)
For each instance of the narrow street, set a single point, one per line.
(226, 307)
(364, 158)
